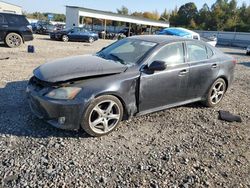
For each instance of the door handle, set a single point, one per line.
(214, 66)
(183, 72)
(4, 26)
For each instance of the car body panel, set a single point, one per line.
(78, 67)
(172, 84)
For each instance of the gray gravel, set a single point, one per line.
(181, 147)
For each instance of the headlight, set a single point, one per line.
(64, 93)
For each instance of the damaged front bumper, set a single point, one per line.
(63, 114)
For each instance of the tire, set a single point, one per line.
(65, 38)
(91, 40)
(102, 116)
(215, 93)
(13, 40)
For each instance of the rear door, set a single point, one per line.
(3, 27)
(204, 68)
(166, 87)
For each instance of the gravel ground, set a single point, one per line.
(181, 147)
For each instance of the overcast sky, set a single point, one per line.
(58, 6)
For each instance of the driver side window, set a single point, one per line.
(172, 54)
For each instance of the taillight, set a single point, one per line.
(234, 61)
(29, 27)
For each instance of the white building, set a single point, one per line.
(10, 8)
(75, 16)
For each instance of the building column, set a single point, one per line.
(129, 29)
(150, 30)
(105, 28)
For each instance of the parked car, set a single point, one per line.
(75, 34)
(211, 41)
(14, 30)
(125, 32)
(44, 28)
(133, 76)
(181, 32)
(248, 50)
(60, 27)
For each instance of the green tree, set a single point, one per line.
(165, 16)
(174, 17)
(186, 13)
(123, 10)
(137, 14)
(204, 17)
(151, 15)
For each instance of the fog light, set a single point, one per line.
(61, 120)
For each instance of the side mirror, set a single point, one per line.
(157, 66)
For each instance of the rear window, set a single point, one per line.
(196, 52)
(17, 20)
(210, 52)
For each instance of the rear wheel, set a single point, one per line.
(216, 93)
(65, 38)
(13, 40)
(102, 116)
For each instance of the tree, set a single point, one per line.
(186, 13)
(174, 17)
(151, 15)
(137, 14)
(123, 10)
(204, 17)
(192, 24)
(165, 16)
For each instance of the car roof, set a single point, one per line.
(160, 39)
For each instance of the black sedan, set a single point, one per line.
(131, 77)
(75, 34)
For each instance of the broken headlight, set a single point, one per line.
(64, 93)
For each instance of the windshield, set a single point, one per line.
(127, 51)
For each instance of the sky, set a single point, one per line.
(58, 6)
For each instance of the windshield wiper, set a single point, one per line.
(118, 59)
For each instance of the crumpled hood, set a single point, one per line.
(77, 67)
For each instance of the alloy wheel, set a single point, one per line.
(217, 93)
(13, 40)
(104, 117)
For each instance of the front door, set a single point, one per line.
(167, 87)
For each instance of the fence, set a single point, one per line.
(239, 39)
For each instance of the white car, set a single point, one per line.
(212, 40)
(248, 50)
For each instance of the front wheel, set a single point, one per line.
(65, 38)
(216, 93)
(102, 116)
(13, 40)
